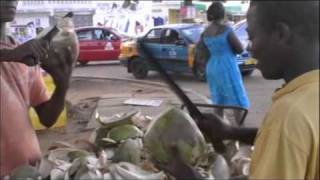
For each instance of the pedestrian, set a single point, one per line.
(138, 28)
(22, 87)
(222, 71)
(286, 45)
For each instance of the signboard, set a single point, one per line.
(188, 12)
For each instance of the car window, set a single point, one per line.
(98, 34)
(193, 33)
(241, 31)
(110, 36)
(85, 35)
(171, 36)
(242, 34)
(153, 36)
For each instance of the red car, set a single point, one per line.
(98, 44)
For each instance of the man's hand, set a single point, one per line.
(29, 53)
(214, 127)
(177, 167)
(59, 65)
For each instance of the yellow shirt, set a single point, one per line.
(287, 144)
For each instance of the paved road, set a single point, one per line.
(259, 90)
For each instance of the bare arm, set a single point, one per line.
(34, 48)
(49, 111)
(235, 43)
(214, 127)
(245, 135)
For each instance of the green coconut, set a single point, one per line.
(100, 138)
(62, 44)
(117, 119)
(129, 151)
(174, 127)
(25, 172)
(124, 132)
(77, 154)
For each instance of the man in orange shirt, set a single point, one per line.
(22, 87)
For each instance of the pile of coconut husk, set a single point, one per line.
(126, 144)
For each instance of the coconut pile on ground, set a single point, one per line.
(125, 145)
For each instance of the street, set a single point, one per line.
(259, 90)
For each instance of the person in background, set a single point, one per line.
(138, 28)
(228, 20)
(222, 71)
(22, 87)
(39, 30)
(286, 45)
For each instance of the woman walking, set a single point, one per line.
(223, 74)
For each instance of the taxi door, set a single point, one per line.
(174, 50)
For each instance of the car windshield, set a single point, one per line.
(241, 32)
(193, 33)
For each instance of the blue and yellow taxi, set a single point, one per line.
(173, 46)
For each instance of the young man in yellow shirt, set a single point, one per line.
(285, 41)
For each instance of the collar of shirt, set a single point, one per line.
(306, 78)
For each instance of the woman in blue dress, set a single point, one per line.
(223, 74)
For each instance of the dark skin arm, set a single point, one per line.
(49, 111)
(36, 48)
(235, 43)
(213, 126)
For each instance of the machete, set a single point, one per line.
(191, 107)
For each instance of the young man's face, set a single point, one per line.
(264, 48)
(7, 10)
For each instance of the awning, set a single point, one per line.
(233, 9)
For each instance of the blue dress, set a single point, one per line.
(223, 74)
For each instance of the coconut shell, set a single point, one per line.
(124, 132)
(24, 172)
(116, 119)
(129, 151)
(220, 169)
(62, 43)
(174, 127)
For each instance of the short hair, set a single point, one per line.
(215, 11)
(301, 16)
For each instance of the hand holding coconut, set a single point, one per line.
(36, 49)
(62, 55)
(63, 51)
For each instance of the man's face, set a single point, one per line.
(7, 10)
(264, 48)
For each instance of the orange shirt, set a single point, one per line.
(20, 88)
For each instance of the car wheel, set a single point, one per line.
(247, 73)
(83, 63)
(200, 72)
(139, 68)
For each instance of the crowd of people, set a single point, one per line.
(285, 43)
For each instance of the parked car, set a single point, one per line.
(98, 44)
(246, 66)
(173, 46)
